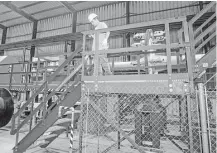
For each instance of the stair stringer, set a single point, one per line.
(42, 126)
(208, 59)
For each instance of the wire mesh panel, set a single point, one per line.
(124, 122)
(210, 99)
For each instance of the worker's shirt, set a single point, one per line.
(102, 36)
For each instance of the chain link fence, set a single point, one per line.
(126, 122)
(210, 100)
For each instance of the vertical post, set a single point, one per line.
(34, 33)
(168, 52)
(71, 130)
(190, 58)
(138, 63)
(83, 56)
(18, 132)
(74, 21)
(45, 92)
(128, 22)
(11, 69)
(203, 119)
(201, 5)
(32, 50)
(32, 121)
(119, 122)
(96, 63)
(113, 66)
(4, 36)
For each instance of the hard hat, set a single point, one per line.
(91, 16)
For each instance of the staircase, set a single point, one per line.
(68, 92)
(203, 40)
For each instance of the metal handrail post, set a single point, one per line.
(203, 119)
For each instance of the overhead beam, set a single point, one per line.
(4, 36)
(2, 26)
(17, 10)
(42, 41)
(68, 6)
(34, 33)
(74, 23)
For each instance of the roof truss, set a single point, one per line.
(68, 6)
(17, 10)
(2, 26)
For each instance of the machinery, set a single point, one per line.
(6, 107)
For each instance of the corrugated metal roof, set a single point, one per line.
(15, 22)
(22, 3)
(51, 13)
(90, 4)
(3, 9)
(40, 7)
(9, 16)
(43, 9)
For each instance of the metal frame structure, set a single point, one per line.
(168, 80)
(135, 28)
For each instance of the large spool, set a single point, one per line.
(6, 106)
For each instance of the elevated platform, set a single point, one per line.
(31, 86)
(137, 84)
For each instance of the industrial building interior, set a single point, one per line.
(108, 76)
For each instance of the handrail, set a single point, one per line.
(207, 21)
(196, 17)
(204, 42)
(205, 32)
(194, 39)
(137, 49)
(50, 79)
(13, 131)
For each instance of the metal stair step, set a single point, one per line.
(78, 103)
(70, 112)
(62, 120)
(56, 128)
(43, 137)
(38, 144)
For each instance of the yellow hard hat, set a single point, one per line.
(91, 16)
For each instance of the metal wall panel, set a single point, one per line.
(55, 26)
(19, 33)
(55, 49)
(18, 53)
(154, 10)
(51, 27)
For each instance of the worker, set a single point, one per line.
(103, 43)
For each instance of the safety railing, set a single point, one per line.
(161, 56)
(203, 39)
(43, 88)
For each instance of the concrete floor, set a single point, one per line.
(61, 144)
(7, 142)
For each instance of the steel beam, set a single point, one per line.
(17, 10)
(4, 36)
(41, 41)
(2, 26)
(68, 6)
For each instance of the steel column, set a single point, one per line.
(203, 119)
